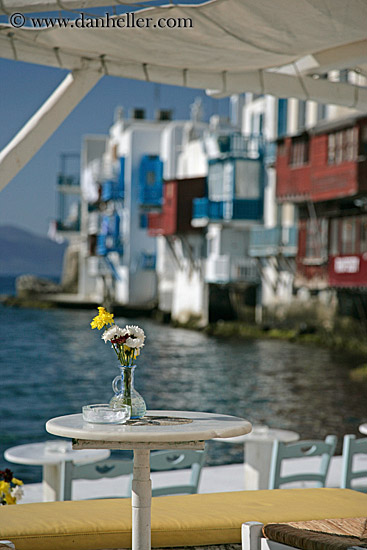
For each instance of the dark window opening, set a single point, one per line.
(299, 151)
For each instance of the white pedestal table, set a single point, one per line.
(52, 456)
(258, 450)
(166, 430)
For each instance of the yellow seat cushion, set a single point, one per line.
(189, 520)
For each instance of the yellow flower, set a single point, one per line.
(134, 352)
(107, 318)
(17, 481)
(103, 318)
(97, 323)
(4, 487)
(9, 499)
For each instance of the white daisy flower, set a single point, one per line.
(136, 337)
(112, 333)
(17, 493)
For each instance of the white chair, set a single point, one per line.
(351, 448)
(302, 449)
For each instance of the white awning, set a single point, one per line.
(229, 42)
(232, 46)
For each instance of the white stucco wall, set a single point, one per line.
(190, 297)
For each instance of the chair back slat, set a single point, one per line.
(351, 448)
(173, 460)
(104, 468)
(173, 490)
(302, 449)
(318, 478)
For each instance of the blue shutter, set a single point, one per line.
(109, 238)
(282, 117)
(121, 179)
(151, 181)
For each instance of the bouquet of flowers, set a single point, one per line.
(10, 488)
(126, 342)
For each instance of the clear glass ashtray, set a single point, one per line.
(103, 413)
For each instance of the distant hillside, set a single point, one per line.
(22, 252)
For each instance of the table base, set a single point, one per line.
(51, 482)
(141, 501)
(257, 465)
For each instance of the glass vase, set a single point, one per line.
(126, 394)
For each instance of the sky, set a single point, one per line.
(29, 200)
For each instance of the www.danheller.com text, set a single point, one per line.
(126, 21)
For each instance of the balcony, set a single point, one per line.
(107, 243)
(272, 241)
(231, 269)
(204, 208)
(112, 190)
(236, 145)
(270, 153)
(175, 216)
(205, 211)
(109, 238)
(68, 227)
(69, 183)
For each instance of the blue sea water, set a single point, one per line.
(52, 363)
(7, 284)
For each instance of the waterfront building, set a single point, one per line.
(181, 288)
(274, 244)
(121, 182)
(214, 220)
(324, 172)
(304, 187)
(207, 213)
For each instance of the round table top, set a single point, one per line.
(264, 434)
(52, 452)
(363, 428)
(204, 426)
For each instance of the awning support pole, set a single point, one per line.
(44, 122)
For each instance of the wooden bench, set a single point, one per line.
(177, 521)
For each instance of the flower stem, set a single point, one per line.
(126, 378)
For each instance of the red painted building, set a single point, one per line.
(324, 172)
(176, 214)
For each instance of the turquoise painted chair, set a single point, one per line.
(177, 460)
(352, 447)
(302, 449)
(159, 461)
(104, 468)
